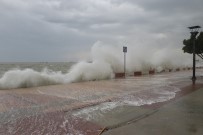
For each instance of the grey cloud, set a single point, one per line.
(58, 29)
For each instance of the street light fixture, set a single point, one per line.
(194, 31)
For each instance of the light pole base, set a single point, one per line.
(193, 80)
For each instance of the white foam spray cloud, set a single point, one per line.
(109, 54)
(84, 71)
(106, 60)
(144, 58)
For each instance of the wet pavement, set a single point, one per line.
(87, 108)
(183, 116)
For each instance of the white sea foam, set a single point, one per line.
(95, 112)
(160, 93)
(82, 71)
(17, 78)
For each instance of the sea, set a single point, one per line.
(37, 66)
(31, 74)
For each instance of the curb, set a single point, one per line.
(152, 72)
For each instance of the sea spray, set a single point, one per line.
(109, 54)
(144, 58)
(84, 71)
(106, 60)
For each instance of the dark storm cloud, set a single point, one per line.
(60, 30)
(178, 13)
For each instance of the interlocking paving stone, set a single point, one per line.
(52, 123)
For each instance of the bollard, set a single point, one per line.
(137, 73)
(151, 72)
(119, 75)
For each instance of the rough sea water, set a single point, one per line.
(30, 74)
(37, 66)
(24, 75)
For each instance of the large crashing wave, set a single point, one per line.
(17, 78)
(82, 71)
(106, 60)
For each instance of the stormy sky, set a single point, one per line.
(65, 30)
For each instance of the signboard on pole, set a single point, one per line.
(124, 49)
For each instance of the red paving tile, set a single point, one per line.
(9, 101)
(53, 123)
(39, 98)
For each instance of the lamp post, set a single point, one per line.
(194, 32)
(124, 51)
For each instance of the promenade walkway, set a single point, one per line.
(152, 104)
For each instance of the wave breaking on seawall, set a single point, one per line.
(106, 60)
